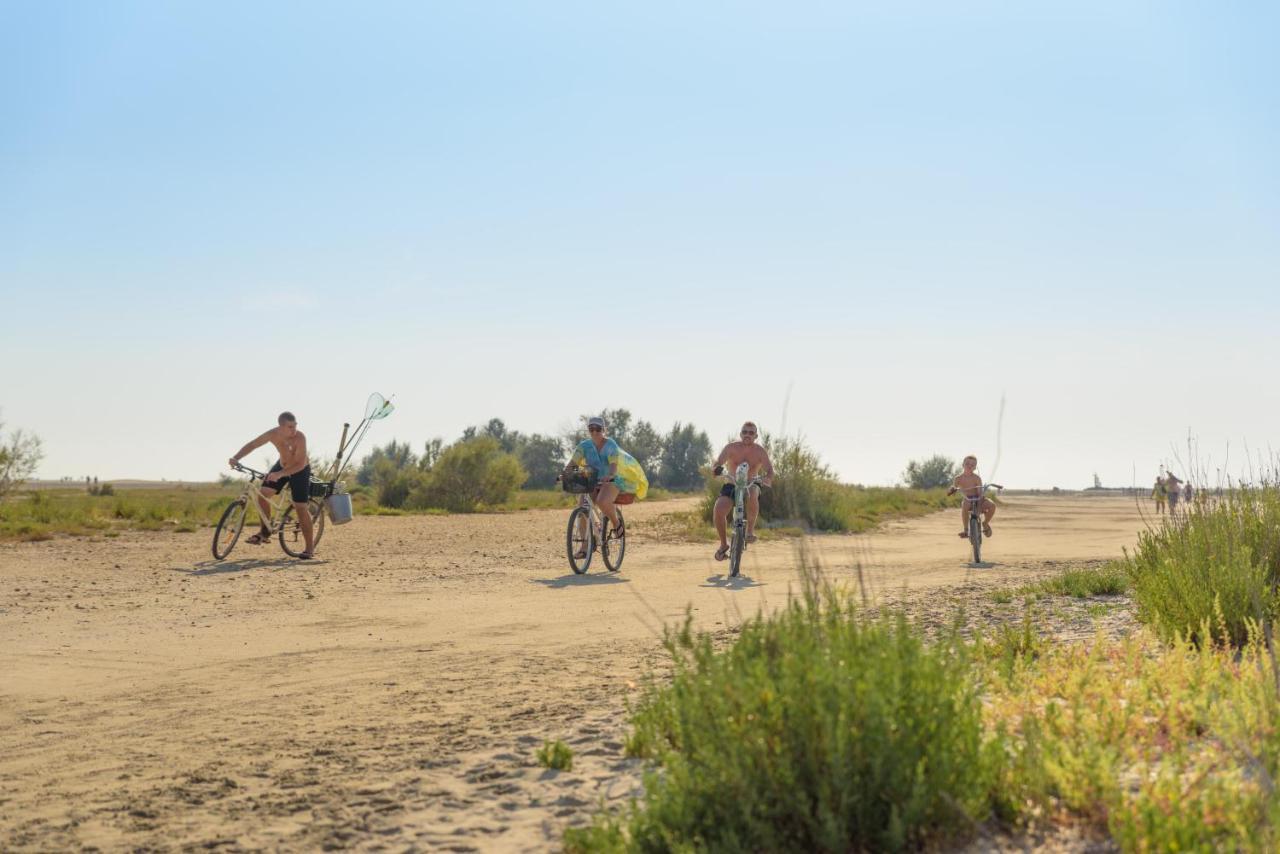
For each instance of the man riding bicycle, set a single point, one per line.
(757, 459)
(970, 484)
(293, 470)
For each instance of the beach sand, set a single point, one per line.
(392, 693)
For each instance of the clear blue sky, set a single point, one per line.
(900, 211)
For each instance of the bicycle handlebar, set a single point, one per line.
(241, 467)
(984, 488)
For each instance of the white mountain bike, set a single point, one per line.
(738, 541)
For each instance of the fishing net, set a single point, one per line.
(377, 408)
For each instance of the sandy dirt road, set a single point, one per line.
(391, 695)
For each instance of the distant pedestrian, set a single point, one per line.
(1188, 494)
(1159, 494)
(1173, 486)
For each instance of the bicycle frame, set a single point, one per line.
(279, 502)
(594, 517)
(741, 486)
(974, 520)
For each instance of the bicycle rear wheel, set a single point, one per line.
(579, 538)
(291, 537)
(736, 548)
(614, 547)
(975, 537)
(229, 528)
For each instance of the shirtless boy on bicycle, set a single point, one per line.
(757, 459)
(293, 470)
(970, 484)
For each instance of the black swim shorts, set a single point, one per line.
(727, 491)
(299, 484)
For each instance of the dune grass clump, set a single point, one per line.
(1108, 580)
(556, 755)
(819, 729)
(1217, 566)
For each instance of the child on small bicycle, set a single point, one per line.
(969, 483)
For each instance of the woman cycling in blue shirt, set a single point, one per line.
(601, 455)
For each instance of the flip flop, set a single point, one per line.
(986, 530)
(964, 535)
(258, 539)
(306, 556)
(751, 538)
(619, 533)
(582, 555)
(722, 553)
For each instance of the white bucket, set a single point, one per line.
(339, 508)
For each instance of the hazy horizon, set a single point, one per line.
(897, 217)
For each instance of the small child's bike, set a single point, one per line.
(974, 527)
(283, 522)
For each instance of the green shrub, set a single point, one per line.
(817, 730)
(1214, 567)
(469, 475)
(937, 471)
(1164, 746)
(555, 754)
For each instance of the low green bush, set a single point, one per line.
(467, 476)
(1163, 747)
(817, 730)
(1217, 566)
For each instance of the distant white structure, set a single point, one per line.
(1097, 481)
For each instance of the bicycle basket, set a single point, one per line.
(321, 489)
(577, 484)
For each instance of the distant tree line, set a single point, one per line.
(489, 462)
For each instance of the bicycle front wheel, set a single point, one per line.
(614, 546)
(975, 538)
(292, 540)
(580, 540)
(229, 528)
(736, 548)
